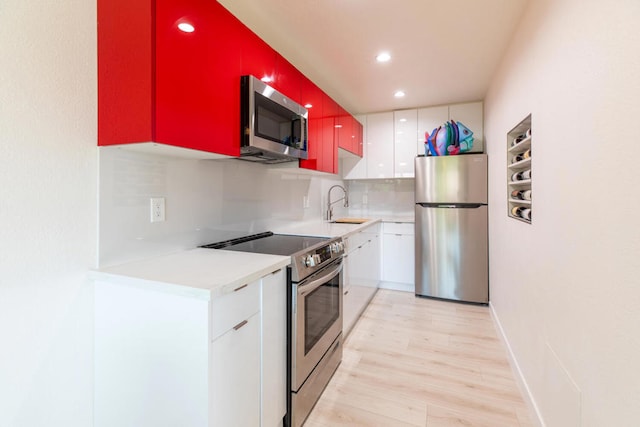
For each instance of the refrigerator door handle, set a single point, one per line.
(452, 205)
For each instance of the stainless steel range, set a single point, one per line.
(314, 320)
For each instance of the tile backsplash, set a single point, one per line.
(381, 197)
(206, 201)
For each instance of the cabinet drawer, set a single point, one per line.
(354, 240)
(229, 310)
(398, 228)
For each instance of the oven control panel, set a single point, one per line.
(314, 259)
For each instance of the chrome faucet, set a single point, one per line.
(330, 203)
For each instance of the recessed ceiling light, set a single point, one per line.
(399, 94)
(186, 27)
(338, 126)
(403, 120)
(383, 57)
(308, 105)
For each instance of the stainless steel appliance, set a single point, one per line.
(451, 228)
(274, 127)
(314, 320)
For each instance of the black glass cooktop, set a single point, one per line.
(269, 243)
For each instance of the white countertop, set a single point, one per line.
(322, 228)
(207, 273)
(203, 273)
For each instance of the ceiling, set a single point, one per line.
(443, 51)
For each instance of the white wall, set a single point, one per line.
(47, 211)
(206, 201)
(566, 288)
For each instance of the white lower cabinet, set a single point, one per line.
(398, 256)
(361, 273)
(151, 358)
(164, 359)
(273, 406)
(235, 375)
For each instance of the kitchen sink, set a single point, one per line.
(350, 220)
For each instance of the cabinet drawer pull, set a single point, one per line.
(240, 287)
(277, 271)
(240, 325)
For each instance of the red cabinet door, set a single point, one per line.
(344, 131)
(258, 58)
(328, 158)
(287, 79)
(311, 97)
(350, 134)
(358, 131)
(125, 66)
(198, 77)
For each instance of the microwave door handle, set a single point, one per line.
(315, 284)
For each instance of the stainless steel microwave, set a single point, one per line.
(274, 127)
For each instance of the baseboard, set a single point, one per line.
(522, 383)
(395, 286)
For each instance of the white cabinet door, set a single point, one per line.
(358, 265)
(428, 120)
(150, 358)
(362, 271)
(235, 375)
(405, 138)
(351, 302)
(274, 349)
(470, 114)
(398, 253)
(372, 256)
(354, 167)
(380, 145)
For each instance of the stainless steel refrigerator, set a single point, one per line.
(452, 259)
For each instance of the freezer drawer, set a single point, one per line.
(451, 179)
(452, 253)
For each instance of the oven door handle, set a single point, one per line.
(315, 284)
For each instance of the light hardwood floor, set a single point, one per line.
(419, 362)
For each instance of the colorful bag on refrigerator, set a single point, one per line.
(449, 139)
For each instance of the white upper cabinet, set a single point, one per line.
(394, 138)
(379, 144)
(405, 124)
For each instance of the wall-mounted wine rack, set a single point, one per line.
(519, 174)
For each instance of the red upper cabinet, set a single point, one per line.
(258, 58)
(350, 133)
(287, 79)
(125, 67)
(344, 134)
(197, 76)
(358, 132)
(263, 62)
(158, 83)
(329, 151)
(311, 97)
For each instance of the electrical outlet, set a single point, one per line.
(365, 199)
(157, 209)
(305, 202)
